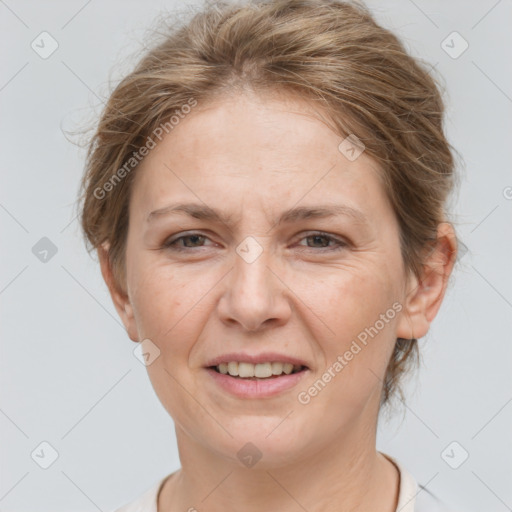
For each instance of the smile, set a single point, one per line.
(249, 386)
(257, 371)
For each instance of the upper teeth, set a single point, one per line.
(260, 370)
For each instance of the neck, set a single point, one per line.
(350, 476)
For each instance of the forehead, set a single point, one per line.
(252, 129)
(245, 146)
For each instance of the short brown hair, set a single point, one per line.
(332, 53)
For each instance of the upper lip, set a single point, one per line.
(264, 357)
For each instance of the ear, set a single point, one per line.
(424, 296)
(119, 296)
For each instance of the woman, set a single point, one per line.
(266, 193)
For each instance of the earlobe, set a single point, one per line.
(425, 295)
(119, 297)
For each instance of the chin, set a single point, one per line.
(258, 444)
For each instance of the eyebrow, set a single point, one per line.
(296, 214)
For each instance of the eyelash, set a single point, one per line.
(170, 244)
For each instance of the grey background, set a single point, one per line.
(68, 373)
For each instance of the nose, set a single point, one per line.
(254, 297)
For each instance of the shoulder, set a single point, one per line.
(426, 501)
(146, 502)
(414, 497)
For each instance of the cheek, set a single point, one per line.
(358, 310)
(164, 312)
(170, 308)
(157, 300)
(349, 298)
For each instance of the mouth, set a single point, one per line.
(256, 381)
(259, 371)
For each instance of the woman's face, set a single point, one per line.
(307, 289)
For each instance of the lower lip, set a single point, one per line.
(246, 388)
